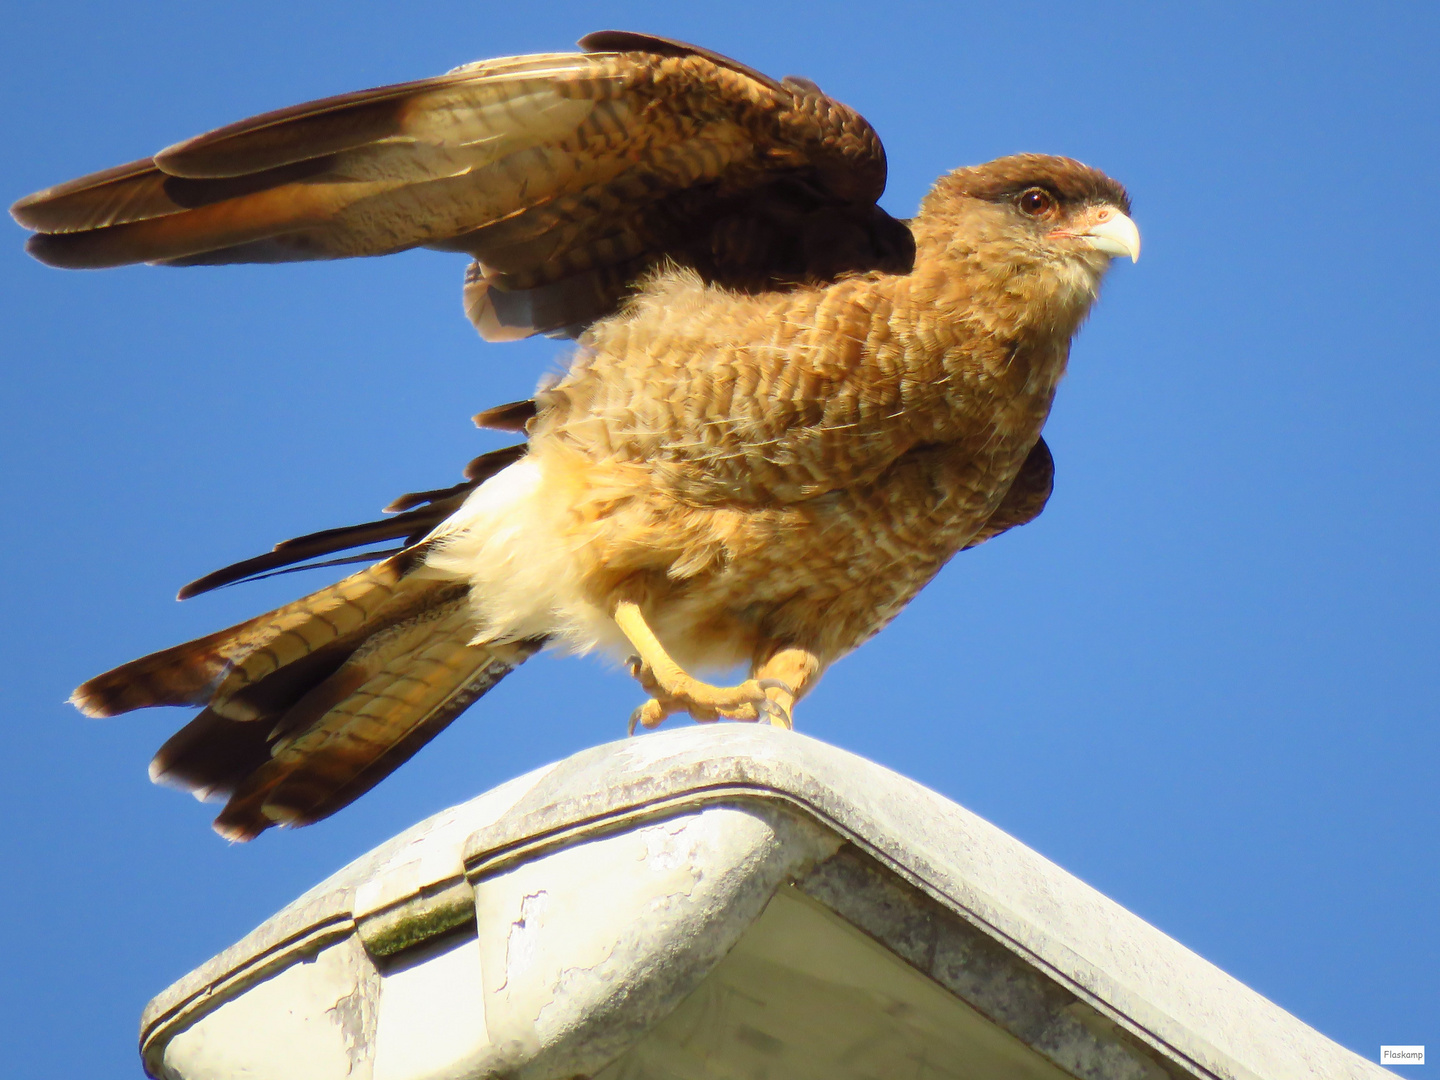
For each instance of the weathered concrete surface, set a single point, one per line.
(614, 891)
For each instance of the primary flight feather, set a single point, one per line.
(784, 412)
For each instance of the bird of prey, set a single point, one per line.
(784, 412)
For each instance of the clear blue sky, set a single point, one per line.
(1205, 681)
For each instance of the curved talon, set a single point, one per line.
(776, 714)
(776, 710)
(650, 715)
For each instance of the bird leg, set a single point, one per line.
(772, 703)
(777, 680)
(676, 690)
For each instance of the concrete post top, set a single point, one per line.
(773, 833)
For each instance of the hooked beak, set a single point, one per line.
(1113, 233)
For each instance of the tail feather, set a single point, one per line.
(182, 675)
(310, 705)
(342, 616)
(417, 513)
(392, 756)
(393, 695)
(214, 668)
(211, 755)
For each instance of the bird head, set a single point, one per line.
(1038, 229)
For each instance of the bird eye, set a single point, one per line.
(1036, 201)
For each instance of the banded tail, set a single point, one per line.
(307, 707)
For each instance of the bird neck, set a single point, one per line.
(988, 280)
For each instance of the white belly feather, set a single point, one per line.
(511, 541)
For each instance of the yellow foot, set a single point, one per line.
(752, 700)
(675, 690)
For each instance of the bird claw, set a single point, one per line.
(638, 718)
(775, 684)
(642, 673)
(773, 710)
(654, 712)
(672, 689)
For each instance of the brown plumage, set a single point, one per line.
(785, 411)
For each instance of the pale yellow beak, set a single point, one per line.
(1114, 234)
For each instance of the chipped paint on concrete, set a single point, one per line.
(631, 923)
(317, 1016)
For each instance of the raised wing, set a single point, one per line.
(567, 176)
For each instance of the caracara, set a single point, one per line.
(783, 412)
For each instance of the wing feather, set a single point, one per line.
(1026, 497)
(470, 106)
(567, 176)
